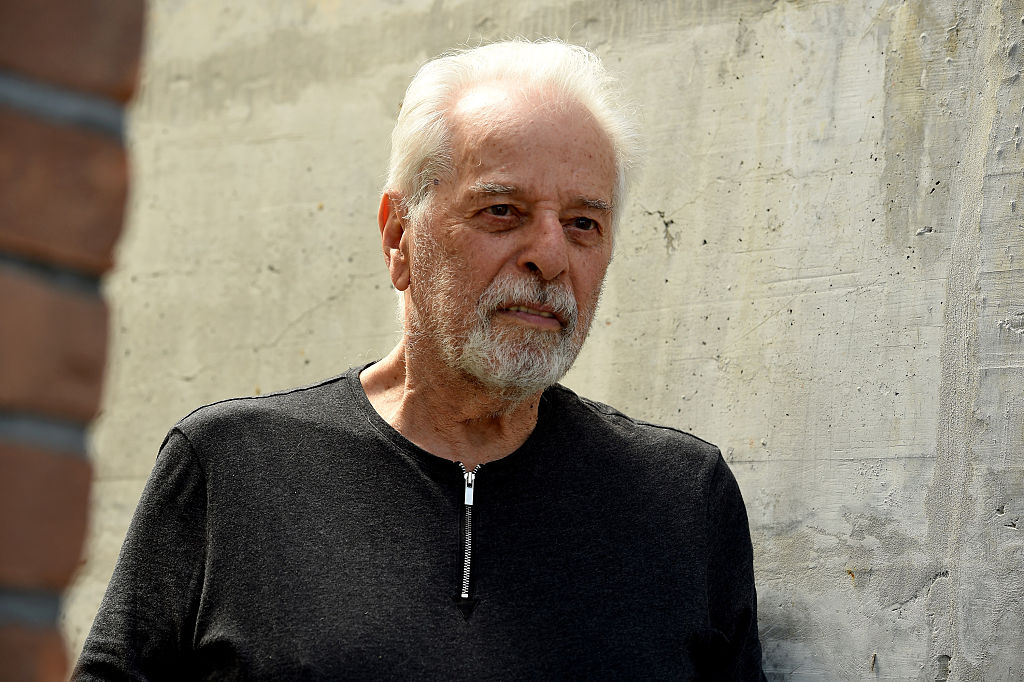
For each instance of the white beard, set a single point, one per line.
(520, 361)
(514, 360)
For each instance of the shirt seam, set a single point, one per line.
(195, 592)
(273, 394)
(612, 413)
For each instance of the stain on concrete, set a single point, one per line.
(906, 110)
(668, 232)
(1013, 324)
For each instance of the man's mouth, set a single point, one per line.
(546, 306)
(529, 311)
(541, 316)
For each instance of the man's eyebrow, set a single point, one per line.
(484, 187)
(492, 188)
(596, 204)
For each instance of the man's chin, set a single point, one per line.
(518, 375)
(515, 361)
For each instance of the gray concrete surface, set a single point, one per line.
(819, 270)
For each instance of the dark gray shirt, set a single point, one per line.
(298, 536)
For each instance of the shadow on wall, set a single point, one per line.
(66, 71)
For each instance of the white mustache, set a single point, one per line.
(508, 289)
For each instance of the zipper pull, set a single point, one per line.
(470, 477)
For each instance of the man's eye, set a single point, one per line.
(499, 210)
(582, 223)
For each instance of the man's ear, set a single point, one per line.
(394, 239)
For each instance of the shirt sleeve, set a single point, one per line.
(732, 599)
(146, 621)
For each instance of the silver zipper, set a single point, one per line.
(467, 506)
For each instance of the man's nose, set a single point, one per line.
(546, 251)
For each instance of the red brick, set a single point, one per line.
(52, 348)
(45, 498)
(62, 192)
(31, 655)
(90, 45)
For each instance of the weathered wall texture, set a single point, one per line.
(820, 270)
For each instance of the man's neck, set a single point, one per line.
(445, 413)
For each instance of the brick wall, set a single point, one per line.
(67, 67)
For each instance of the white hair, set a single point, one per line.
(421, 149)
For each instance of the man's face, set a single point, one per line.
(507, 266)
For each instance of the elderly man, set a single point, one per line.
(450, 512)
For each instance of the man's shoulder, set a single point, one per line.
(308, 404)
(597, 421)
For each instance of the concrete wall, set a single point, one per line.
(819, 270)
